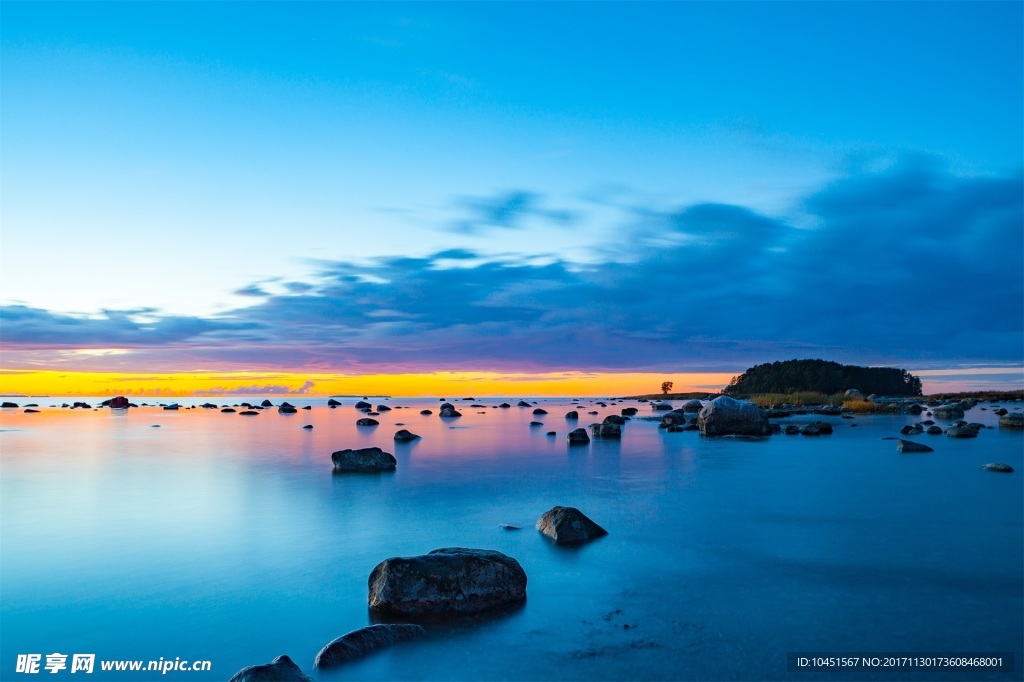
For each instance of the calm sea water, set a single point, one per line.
(227, 538)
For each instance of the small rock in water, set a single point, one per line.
(551, 433)
(569, 526)
(248, 413)
(540, 410)
(363, 460)
(1013, 420)
(934, 430)
(536, 423)
(522, 403)
(228, 410)
(154, 426)
(577, 437)
(508, 526)
(282, 669)
(363, 641)
(308, 426)
(572, 414)
(404, 435)
(996, 466)
(911, 446)
(366, 421)
(605, 431)
(426, 412)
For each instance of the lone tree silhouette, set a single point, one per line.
(666, 386)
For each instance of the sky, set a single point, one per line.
(560, 196)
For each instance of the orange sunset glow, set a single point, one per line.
(48, 382)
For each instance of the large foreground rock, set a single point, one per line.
(282, 669)
(726, 416)
(569, 526)
(359, 643)
(363, 460)
(446, 581)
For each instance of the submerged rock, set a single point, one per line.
(446, 581)
(367, 421)
(934, 430)
(363, 641)
(997, 466)
(911, 446)
(725, 415)
(249, 413)
(363, 460)
(404, 435)
(661, 406)
(577, 437)
(572, 414)
(569, 526)
(282, 669)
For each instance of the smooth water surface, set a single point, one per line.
(228, 538)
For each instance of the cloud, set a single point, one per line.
(910, 266)
(512, 210)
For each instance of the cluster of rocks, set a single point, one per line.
(445, 583)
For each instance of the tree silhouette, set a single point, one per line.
(666, 386)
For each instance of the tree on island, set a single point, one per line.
(666, 386)
(822, 376)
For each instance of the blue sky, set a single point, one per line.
(685, 185)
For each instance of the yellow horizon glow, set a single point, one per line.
(422, 384)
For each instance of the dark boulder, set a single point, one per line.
(363, 460)
(285, 408)
(692, 406)
(363, 405)
(674, 417)
(912, 430)
(727, 416)
(569, 526)
(249, 413)
(228, 410)
(948, 412)
(449, 412)
(792, 430)
(628, 411)
(605, 431)
(363, 641)
(426, 412)
(282, 669)
(367, 421)
(660, 407)
(911, 446)
(572, 414)
(504, 405)
(934, 430)
(121, 403)
(266, 403)
(333, 403)
(1000, 412)
(404, 435)
(29, 410)
(446, 581)
(383, 408)
(577, 437)
(1013, 420)
(536, 423)
(540, 410)
(966, 431)
(614, 419)
(522, 403)
(14, 405)
(308, 426)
